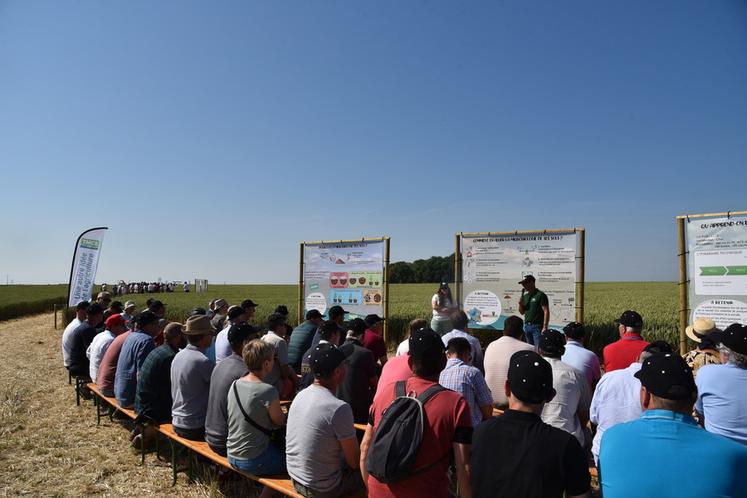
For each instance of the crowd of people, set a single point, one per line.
(122, 288)
(639, 415)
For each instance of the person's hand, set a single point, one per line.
(544, 329)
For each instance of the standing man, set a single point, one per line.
(535, 307)
(577, 356)
(372, 339)
(497, 356)
(536, 459)
(621, 353)
(638, 457)
(134, 351)
(221, 311)
(359, 385)
(250, 307)
(301, 338)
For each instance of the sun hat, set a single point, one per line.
(129, 304)
(219, 303)
(198, 325)
(700, 327)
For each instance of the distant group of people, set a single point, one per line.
(122, 288)
(428, 411)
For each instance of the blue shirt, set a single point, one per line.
(722, 399)
(580, 358)
(665, 454)
(134, 350)
(469, 382)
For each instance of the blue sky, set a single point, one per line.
(212, 137)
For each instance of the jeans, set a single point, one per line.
(442, 327)
(269, 462)
(532, 334)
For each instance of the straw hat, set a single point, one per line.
(702, 326)
(198, 325)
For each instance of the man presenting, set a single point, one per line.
(535, 307)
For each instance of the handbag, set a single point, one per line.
(276, 436)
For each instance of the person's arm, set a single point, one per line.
(546, 320)
(487, 411)
(434, 303)
(373, 382)
(522, 306)
(383, 360)
(463, 470)
(351, 452)
(276, 413)
(365, 445)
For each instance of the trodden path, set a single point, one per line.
(51, 447)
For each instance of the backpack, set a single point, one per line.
(397, 439)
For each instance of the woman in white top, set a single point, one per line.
(443, 306)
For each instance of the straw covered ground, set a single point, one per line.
(51, 447)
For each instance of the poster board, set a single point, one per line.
(713, 248)
(489, 266)
(348, 273)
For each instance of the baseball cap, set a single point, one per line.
(630, 318)
(325, 359)
(155, 305)
(373, 319)
(552, 342)
(83, 305)
(357, 325)
(527, 278)
(425, 342)
(336, 311)
(530, 377)
(313, 314)
(114, 321)
(248, 303)
(734, 337)
(234, 312)
(574, 330)
(129, 304)
(659, 347)
(240, 332)
(146, 318)
(668, 376)
(282, 309)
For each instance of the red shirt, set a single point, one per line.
(448, 420)
(108, 366)
(374, 343)
(395, 369)
(620, 354)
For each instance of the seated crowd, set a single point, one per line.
(426, 415)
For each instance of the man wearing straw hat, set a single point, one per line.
(190, 380)
(702, 332)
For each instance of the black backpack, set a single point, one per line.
(397, 439)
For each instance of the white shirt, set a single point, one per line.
(66, 337)
(442, 315)
(96, 350)
(474, 345)
(580, 358)
(403, 348)
(617, 399)
(572, 396)
(497, 355)
(222, 346)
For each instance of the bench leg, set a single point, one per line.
(97, 402)
(77, 392)
(69, 378)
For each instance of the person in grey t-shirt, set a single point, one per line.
(231, 368)
(249, 398)
(190, 380)
(322, 449)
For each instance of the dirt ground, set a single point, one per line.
(51, 447)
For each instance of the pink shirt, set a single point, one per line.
(394, 370)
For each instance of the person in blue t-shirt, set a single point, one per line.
(649, 456)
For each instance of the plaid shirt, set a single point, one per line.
(153, 395)
(470, 383)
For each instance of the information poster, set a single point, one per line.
(492, 266)
(347, 274)
(717, 268)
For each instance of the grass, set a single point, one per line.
(605, 301)
(21, 300)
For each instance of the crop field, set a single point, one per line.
(20, 300)
(656, 301)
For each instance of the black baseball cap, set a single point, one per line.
(282, 309)
(155, 305)
(240, 332)
(146, 318)
(325, 359)
(530, 377)
(357, 325)
(659, 347)
(336, 311)
(668, 376)
(426, 342)
(574, 330)
(552, 342)
(527, 278)
(248, 303)
(235, 311)
(734, 337)
(373, 319)
(630, 318)
(313, 314)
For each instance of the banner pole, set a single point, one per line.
(387, 246)
(458, 269)
(300, 285)
(581, 281)
(683, 287)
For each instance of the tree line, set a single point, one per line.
(431, 270)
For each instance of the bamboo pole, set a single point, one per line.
(300, 285)
(682, 255)
(712, 215)
(458, 269)
(344, 241)
(581, 278)
(386, 288)
(522, 232)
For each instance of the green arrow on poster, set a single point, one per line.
(712, 271)
(736, 270)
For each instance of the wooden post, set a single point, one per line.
(458, 269)
(581, 277)
(300, 314)
(385, 331)
(682, 255)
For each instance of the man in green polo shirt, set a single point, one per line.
(536, 310)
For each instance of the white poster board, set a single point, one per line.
(493, 264)
(348, 274)
(717, 268)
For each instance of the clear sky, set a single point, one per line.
(212, 137)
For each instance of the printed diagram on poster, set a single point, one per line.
(717, 268)
(492, 264)
(348, 274)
